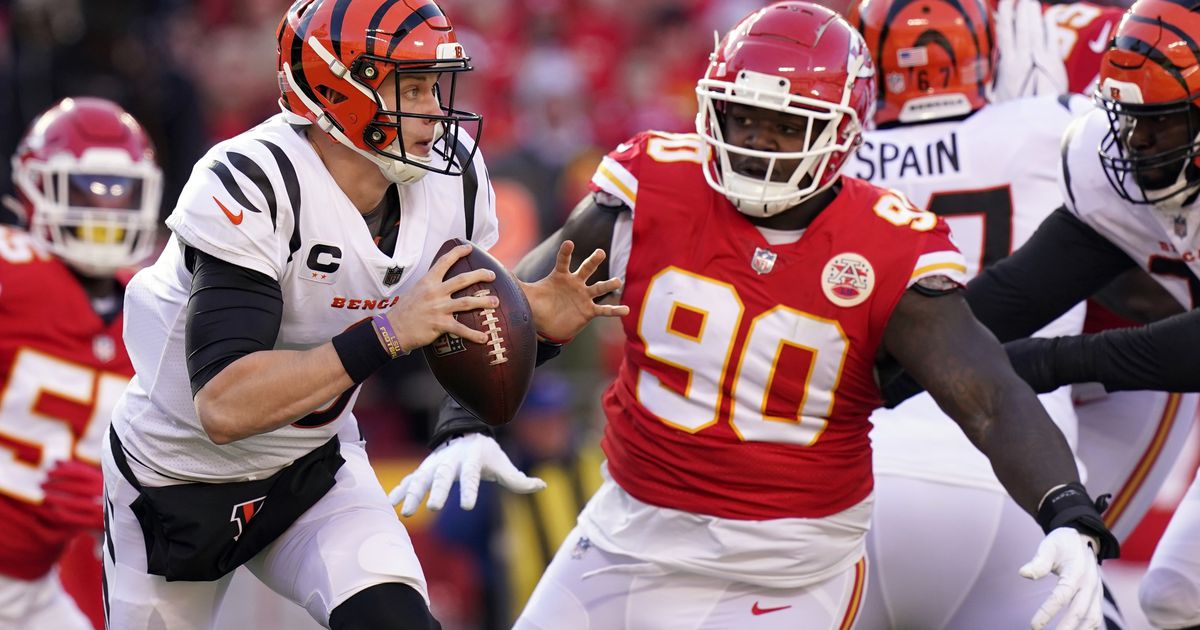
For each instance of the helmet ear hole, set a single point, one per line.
(332, 96)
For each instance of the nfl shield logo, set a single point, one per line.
(393, 275)
(1181, 226)
(763, 261)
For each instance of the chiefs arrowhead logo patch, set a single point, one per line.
(848, 279)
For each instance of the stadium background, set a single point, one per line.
(559, 82)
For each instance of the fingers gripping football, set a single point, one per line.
(563, 302)
(1070, 555)
(468, 460)
(426, 312)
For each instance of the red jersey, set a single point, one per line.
(1084, 32)
(61, 371)
(748, 372)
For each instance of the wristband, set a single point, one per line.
(387, 335)
(551, 340)
(360, 351)
(1070, 506)
(546, 351)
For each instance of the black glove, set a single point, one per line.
(1070, 506)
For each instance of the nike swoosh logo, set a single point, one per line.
(755, 610)
(1099, 44)
(235, 219)
(623, 147)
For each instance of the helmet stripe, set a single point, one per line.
(335, 25)
(373, 25)
(294, 58)
(1190, 5)
(1137, 46)
(412, 21)
(1191, 43)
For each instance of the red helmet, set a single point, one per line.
(937, 57)
(86, 177)
(1151, 74)
(334, 56)
(800, 59)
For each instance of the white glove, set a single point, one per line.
(1070, 555)
(1030, 61)
(467, 459)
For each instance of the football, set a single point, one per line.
(489, 380)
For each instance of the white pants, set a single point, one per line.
(349, 540)
(586, 588)
(945, 556)
(1170, 590)
(39, 604)
(1129, 441)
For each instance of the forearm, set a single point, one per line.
(266, 390)
(966, 372)
(1028, 453)
(1163, 356)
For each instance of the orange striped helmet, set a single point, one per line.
(1150, 87)
(936, 58)
(335, 55)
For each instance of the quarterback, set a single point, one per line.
(763, 287)
(301, 260)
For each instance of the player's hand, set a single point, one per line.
(562, 302)
(467, 459)
(1030, 61)
(427, 311)
(1071, 556)
(73, 490)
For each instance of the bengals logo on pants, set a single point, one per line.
(243, 512)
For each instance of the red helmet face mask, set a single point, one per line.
(86, 177)
(359, 69)
(801, 60)
(1150, 87)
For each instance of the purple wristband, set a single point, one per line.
(387, 334)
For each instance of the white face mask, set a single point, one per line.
(761, 196)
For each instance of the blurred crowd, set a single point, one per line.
(559, 83)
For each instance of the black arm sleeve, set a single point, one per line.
(452, 421)
(1064, 262)
(1163, 356)
(232, 312)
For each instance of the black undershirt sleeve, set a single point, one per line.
(1063, 263)
(232, 312)
(1163, 356)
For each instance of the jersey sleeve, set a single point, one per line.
(939, 256)
(617, 174)
(237, 207)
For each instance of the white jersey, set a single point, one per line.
(1164, 243)
(263, 200)
(993, 177)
